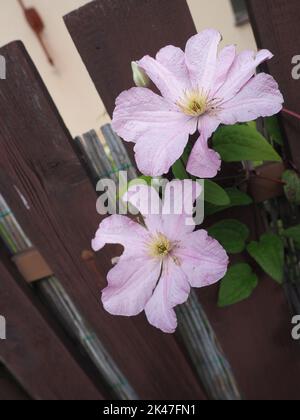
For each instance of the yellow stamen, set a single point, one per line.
(160, 247)
(194, 103)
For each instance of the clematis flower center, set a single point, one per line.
(194, 103)
(160, 246)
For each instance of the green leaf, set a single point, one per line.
(140, 180)
(145, 178)
(292, 187)
(238, 285)
(273, 129)
(243, 142)
(252, 124)
(215, 194)
(293, 233)
(231, 234)
(186, 154)
(237, 198)
(257, 163)
(269, 254)
(179, 170)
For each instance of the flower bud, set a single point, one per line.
(139, 76)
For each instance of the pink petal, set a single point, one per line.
(146, 199)
(164, 76)
(137, 110)
(259, 98)
(173, 289)
(208, 124)
(173, 59)
(225, 60)
(205, 162)
(201, 58)
(163, 143)
(241, 71)
(130, 286)
(202, 258)
(121, 230)
(179, 199)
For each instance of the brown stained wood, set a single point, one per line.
(256, 334)
(52, 197)
(10, 390)
(34, 354)
(109, 34)
(276, 27)
(266, 183)
(256, 338)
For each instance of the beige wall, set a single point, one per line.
(219, 14)
(69, 82)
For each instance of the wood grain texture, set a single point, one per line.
(276, 27)
(52, 197)
(10, 390)
(110, 34)
(256, 334)
(34, 354)
(256, 337)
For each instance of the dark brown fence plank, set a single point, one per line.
(109, 34)
(10, 390)
(33, 352)
(276, 27)
(256, 334)
(47, 188)
(256, 337)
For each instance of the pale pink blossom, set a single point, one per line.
(163, 258)
(200, 89)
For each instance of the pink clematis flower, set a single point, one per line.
(162, 259)
(200, 89)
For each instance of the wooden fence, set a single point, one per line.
(49, 191)
(276, 27)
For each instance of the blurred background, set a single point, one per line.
(67, 80)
